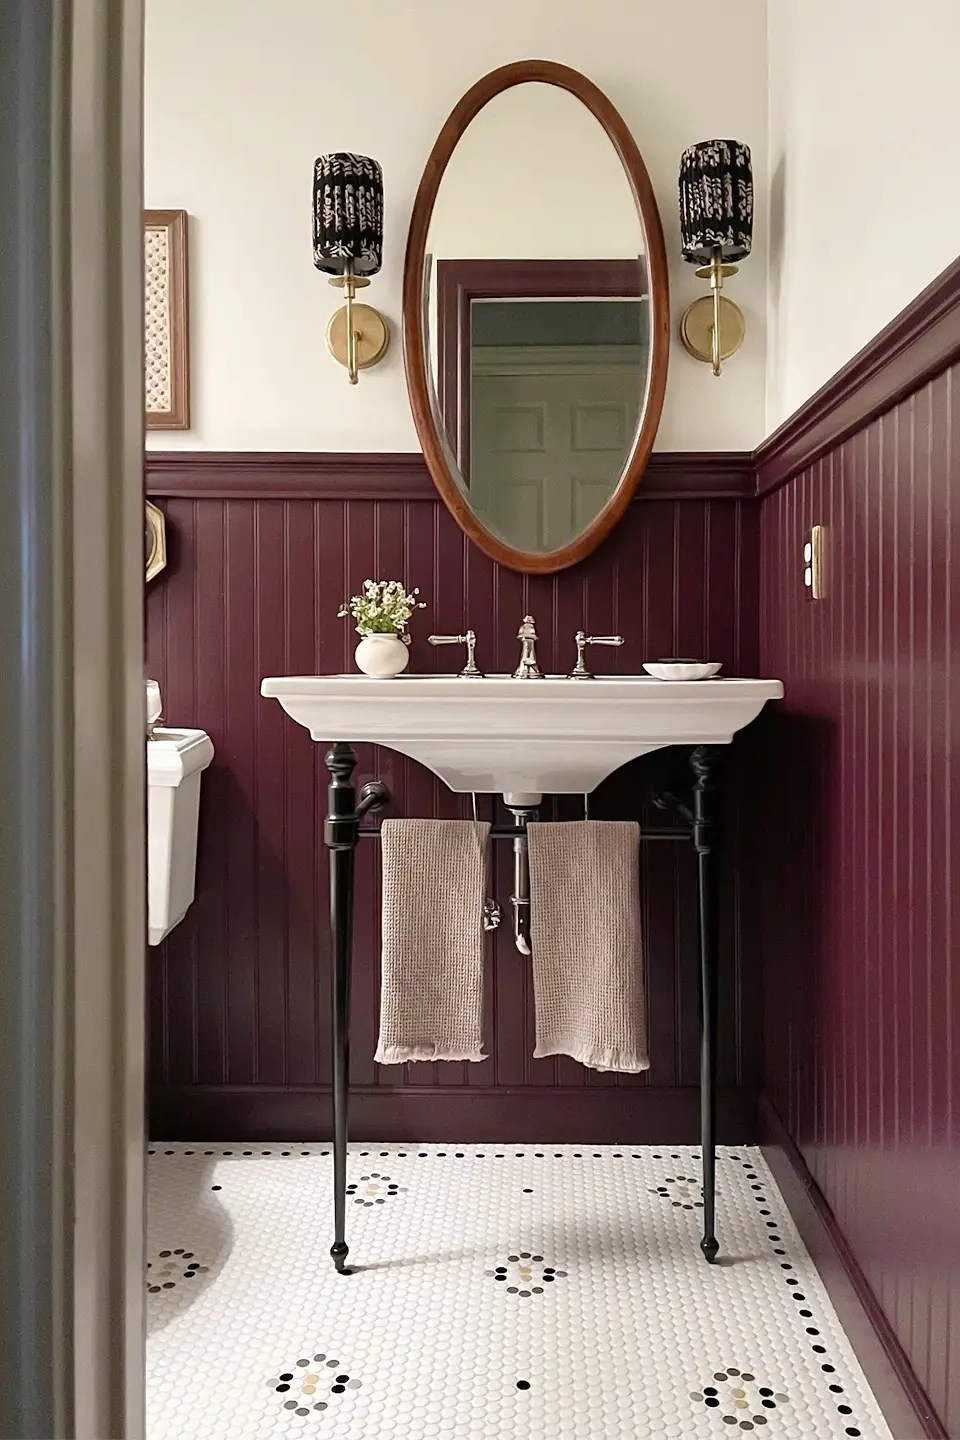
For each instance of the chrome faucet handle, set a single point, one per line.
(580, 671)
(528, 669)
(469, 638)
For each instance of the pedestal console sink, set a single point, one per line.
(522, 738)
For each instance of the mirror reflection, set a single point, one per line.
(538, 337)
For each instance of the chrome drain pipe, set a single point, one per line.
(520, 899)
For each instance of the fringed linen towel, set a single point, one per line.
(585, 935)
(431, 995)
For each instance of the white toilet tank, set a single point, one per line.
(175, 761)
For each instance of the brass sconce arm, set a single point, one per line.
(712, 328)
(357, 335)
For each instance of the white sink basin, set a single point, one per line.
(523, 738)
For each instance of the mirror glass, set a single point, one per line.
(536, 317)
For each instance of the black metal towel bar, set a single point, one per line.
(342, 832)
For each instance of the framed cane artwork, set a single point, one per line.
(166, 313)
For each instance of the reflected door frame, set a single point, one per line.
(460, 282)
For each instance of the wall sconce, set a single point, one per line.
(716, 228)
(348, 246)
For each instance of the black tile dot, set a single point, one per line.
(819, 1349)
(828, 1369)
(216, 1187)
(713, 1403)
(523, 1384)
(844, 1410)
(282, 1388)
(287, 1376)
(851, 1430)
(768, 1404)
(812, 1330)
(337, 1389)
(837, 1389)
(527, 1191)
(342, 1379)
(807, 1314)
(709, 1390)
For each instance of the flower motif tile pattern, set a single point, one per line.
(373, 1189)
(525, 1274)
(633, 1338)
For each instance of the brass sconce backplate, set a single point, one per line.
(372, 331)
(696, 328)
(155, 538)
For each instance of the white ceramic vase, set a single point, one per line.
(382, 656)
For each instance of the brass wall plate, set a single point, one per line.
(373, 330)
(155, 540)
(696, 328)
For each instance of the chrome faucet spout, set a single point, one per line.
(528, 669)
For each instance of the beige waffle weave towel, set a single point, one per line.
(585, 936)
(431, 986)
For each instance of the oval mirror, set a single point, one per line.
(536, 315)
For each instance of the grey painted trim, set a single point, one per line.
(31, 1174)
(71, 696)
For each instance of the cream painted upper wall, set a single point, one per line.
(864, 203)
(242, 95)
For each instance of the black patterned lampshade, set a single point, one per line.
(716, 201)
(347, 214)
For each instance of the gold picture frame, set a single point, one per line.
(166, 320)
(155, 540)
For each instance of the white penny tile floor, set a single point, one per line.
(514, 1292)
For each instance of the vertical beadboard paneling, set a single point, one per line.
(861, 952)
(239, 1008)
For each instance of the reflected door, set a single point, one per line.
(550, 428)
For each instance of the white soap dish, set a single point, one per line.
(682, 669)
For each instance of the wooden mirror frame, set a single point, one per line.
(414, 341)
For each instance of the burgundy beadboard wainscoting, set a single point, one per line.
(263, 549)
(862, 866)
